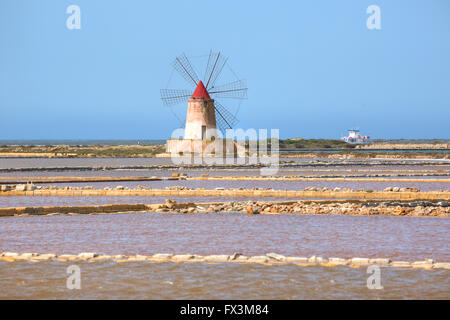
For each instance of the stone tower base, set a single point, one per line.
(204, 147)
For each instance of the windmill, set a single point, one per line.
(205, 113)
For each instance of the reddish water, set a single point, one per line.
(331, 169)
(110, 280)
(116, 162)
(277, 185)
(84, 201)
(398, 238)
(401, 238)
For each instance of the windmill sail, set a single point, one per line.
(224, 118)
(216, 62)
(185, 69)
(234, 90)
(172, 97)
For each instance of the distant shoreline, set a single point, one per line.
(81, 142)
(343, 154)
(151, 142)
(289, 148)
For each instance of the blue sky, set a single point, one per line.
(313, 68)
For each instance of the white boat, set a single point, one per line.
(354, 136)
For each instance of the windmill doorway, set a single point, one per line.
(203, 132)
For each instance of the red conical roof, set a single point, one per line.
(200, 92)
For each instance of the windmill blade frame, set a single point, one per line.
(216, 62)
(234, 90)
(224, 118)
(172, 97)
(184, 67)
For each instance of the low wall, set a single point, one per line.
(380, 195)
(267, 259)
(341, 207)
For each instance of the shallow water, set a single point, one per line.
(79, 162)
(224, 172)
(39, 201)
(334, 170)
(400, 238)
(117, 162)
(142, 280)
(274, 184)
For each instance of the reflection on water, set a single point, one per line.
(110, 280)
